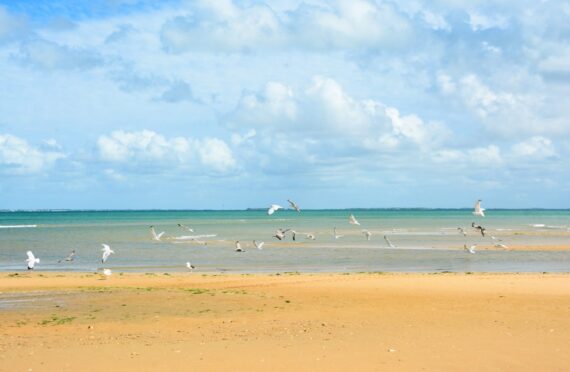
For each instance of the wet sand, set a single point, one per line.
(194, 321)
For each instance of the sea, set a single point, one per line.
(401, 240)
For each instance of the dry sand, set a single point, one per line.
(403, 322)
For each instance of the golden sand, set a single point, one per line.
(329, 322)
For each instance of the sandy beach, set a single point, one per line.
(367, 321)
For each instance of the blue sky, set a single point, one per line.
(236, 104)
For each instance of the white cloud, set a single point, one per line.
(482, 99)
(149, 147)
(51, 56)
(17, 156)
(537, 147)
(482, 22)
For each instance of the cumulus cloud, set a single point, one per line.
(51, 56)
(146, 146)
(226, 26)
(17, 156)
(537, 147)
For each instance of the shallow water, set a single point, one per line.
(425, 240)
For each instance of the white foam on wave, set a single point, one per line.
(16, 226)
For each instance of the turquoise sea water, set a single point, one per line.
(424, 240)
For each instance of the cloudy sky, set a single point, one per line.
(236, 104)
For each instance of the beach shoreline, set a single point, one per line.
(320, 321)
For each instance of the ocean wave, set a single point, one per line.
(16, 226)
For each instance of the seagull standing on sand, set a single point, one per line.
(478, 227)
(294, 205)
(107, 251)
(69, 258)
(336, 236)
(185, 227)
(352, 220)
(294, 234)
(389, 242)
(470, 249)
(154, 235)
(238, 247)
(190, 266)
(478, 211)
(367, 234)
(31, 260)
(258, 245)
(273, 208)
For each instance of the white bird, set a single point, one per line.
(336, 236)
(154, 235)
(258, 245)
(273, 208)
(367, 233)
(69, 258)
(107, 251)
(294, 205)
(185, 227)
(310, 236)
(500, 245)
(31, 260)
(478, 211)
(389, 242)
(462, 231)
(352, 220)
(107, 272)
(190, 266)
(470, 249)
(238, 247)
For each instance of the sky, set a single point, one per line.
(233, 104)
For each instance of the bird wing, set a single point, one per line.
(353, 220)
(106, 247)
(31, 256)
(160, 235)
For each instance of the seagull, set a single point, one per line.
(478, 227)
(336, 236)
(280, 234)
(31, 260)
(478, 211)
(258, 245)
(106, 252)
(238, 247)
(352, 220)
(190, 266)
(389, 242)
(462, 231)
(294, 205)
(273, 208)
(500, 245)
(185, 227)
(367, 233)
(294, 233)
(154, 235)
(470, 249)
(107, 272)
(310, 236)
(69, 258)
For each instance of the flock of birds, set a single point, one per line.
(280, 234)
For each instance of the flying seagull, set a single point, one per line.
(352, 220)
(258, 245)
(190, 266)
(310, 236)
(478, 211)
(185, 227)
(31, 260)
(462, 231)
(69, 258)
(238, 247)
(273, 208)
(336, 236)
(389, 242)
(294, 205)
(478, 227)
(154, 235)
(280, 234)
(106, 252)
(367, 234)
(470, 249)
